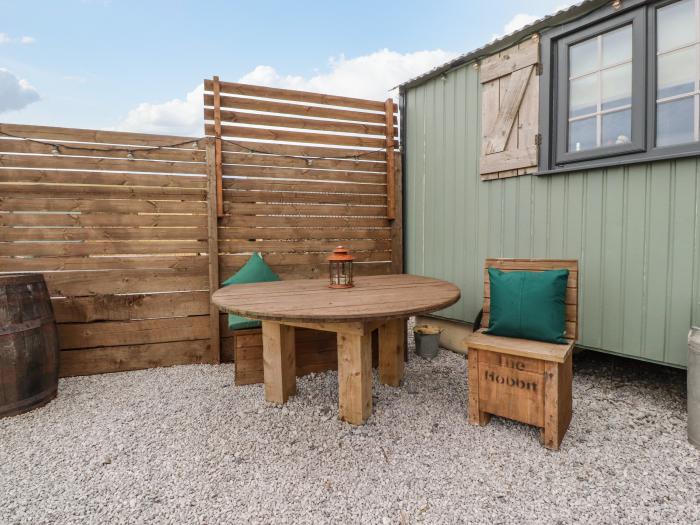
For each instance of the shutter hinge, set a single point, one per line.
(538, 139)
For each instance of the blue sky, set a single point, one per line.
(124, 64)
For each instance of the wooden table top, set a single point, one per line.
(311, 300)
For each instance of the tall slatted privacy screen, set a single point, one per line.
(302, 173)
(118, 227)
(509, 111)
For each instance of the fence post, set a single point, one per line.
(390, 172)
(397, 223)
(213, 205)
(218, 163)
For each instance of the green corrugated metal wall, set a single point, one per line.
(635, 230)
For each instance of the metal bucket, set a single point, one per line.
(694, 387)
(427, 340)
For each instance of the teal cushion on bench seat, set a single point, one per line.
(255, 270)
(528, 305)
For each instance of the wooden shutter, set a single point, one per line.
(509, 111)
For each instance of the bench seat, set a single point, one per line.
(520, 347)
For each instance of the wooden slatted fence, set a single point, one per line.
(122, 225)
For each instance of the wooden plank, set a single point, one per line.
(303, 150)
(19, 233)
(301, 222)
(306, 186)
(321, 210)
(194, 263)
(475, 415)
(218, 158)
(131, 357)
(551, 421)
(127, 307)
(95, 203)
(234, 88)
(81, 283)
(105, 220)
(269, 106)
(279, 362)
(309, 245)
(61, 249)
(215, 209)
(390, 168)
(50, 176)
(102, 192)
(88, 335)
(397, 247)
(295, 136)
(96, 136)
(319, 271)
(354, 377)
(264, 119)
(303, 233)
(235, 162)
(532, 264)
(277, 172)
(9, 160)
(512, 393)
(183, 153)
(391, 352)
(520, 347)
(290, 197)
(276, 260)
(508, 61)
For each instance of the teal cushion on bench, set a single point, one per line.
(255, 270)
(528, 305)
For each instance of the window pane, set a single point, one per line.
(676, 25)
(674, 122)
(617, 128)
(582, 134)
(676, 72)
(583, 57)
(583, 96)
(617, 86)
(617, 46)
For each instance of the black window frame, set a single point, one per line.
(553, 157)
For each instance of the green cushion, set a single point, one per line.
(255, 270)
(528, 305)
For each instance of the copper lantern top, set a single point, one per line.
(340, 254)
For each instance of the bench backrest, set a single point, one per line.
(538, 265)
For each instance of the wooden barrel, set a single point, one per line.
(28, 344)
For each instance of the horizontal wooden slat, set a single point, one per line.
(252, 104)
(58, 249)
(133, 357)
(235, 208)
(104, 192)
(532, 264)
(289, 197)
(8, 160)
(234, 88)
(295, 136)
(88, 150)
(299, 174)
(354, 245)
(97, 177)
(233, 161)
(303, 233)
(115, 333)
(572, 281)
(99, 203)
(141, 262)
(100, 219)
(262, 119)
(83, 283)
(126, 307)
(304, 186)
(95, 136)
(100, 234)
(303, 222)
(320, 271)
(300, 150)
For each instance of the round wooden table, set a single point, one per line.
(382, 302)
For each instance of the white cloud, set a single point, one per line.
(369, 76)
(7, 39)
(517, 22)
(15, 93)
(27, 40)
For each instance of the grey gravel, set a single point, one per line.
(183, 445)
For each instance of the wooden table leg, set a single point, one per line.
(279, 362)
(355, 377)
(391, 352)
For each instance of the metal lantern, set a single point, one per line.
(340, 268)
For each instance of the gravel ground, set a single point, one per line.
(183, 445)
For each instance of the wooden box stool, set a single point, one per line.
(519, 379)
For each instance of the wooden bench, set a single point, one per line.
(519, 379)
